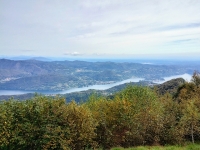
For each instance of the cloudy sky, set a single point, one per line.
(100, 28)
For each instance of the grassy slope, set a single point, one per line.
(187, 147)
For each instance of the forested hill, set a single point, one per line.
(62, 75)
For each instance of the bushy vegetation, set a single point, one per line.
(133, 117)
(167, 147)
(43, 123)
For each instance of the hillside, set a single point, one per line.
(62, 75)
(169, 86)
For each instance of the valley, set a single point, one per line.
(34, 75)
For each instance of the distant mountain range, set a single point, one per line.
(35, 75)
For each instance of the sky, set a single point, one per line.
(100, 28)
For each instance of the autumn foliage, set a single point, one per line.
(135, 116)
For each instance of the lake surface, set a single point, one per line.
(14, 92)
(185, 76)
(102, 87)
(95, 87)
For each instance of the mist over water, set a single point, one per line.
(95, 87)
(102, 87)
(186, 77)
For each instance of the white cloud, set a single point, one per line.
(100, 26)
(73, 53)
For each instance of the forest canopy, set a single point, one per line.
(134, 116)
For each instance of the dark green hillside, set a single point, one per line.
(85, 95)
(170, 86)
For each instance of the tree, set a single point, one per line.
(196, 78)
(172, 132)
(133, 117)
(45, 123)
(191, 118)
(189, 90)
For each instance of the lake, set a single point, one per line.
(185, 76)
(95, 87)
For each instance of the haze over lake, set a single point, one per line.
(185, 76)
(95, 87)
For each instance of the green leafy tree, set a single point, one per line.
(196, 78)
(45, 123)
(133, 117)
(172, 132)
(146, 113)
(191, 118)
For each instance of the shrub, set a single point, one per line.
(44, 123)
